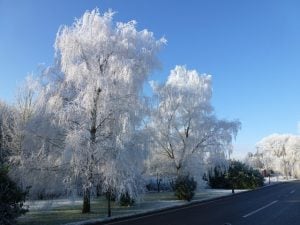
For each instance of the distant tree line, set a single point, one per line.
(277, 154)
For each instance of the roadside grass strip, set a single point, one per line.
(62, 211)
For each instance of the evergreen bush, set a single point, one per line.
(238, 176)
(11, 199)
(185, 187)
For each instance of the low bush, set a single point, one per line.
(185, 187)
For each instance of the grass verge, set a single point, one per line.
(65, 211)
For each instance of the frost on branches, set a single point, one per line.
(280, 153)
(187, 135)
(6, 132)
(85, 125)
(103, 67)
(35, 143)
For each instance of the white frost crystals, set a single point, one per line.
(186, 134)
(280, 153)
(190, 81)
(94, 45)
(104, 66)
(91, 128)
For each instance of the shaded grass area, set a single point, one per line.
(70, 211)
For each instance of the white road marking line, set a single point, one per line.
(255, 211)
(292, 192)
(156, 213)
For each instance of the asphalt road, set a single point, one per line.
(273, 205)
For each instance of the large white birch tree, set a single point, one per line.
(103, 66)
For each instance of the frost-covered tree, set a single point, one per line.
(158, 168)
(6, 131)
(23, 111)
(100, 71)
(186, 133)
(280, 152)
(13, 119)
(34, 142)
(293, 155)
(253, 160)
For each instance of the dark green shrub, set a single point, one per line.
(11, 199)
(217, 178)
(238, 176)
(185, 187)
(126, 200)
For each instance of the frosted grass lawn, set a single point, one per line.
(64, 211)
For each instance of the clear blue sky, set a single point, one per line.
(252, 49)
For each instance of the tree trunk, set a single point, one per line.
(158, 183)
(108, 204)
(86, 207)
(178, 170)
(98, 190)
(232, 185)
